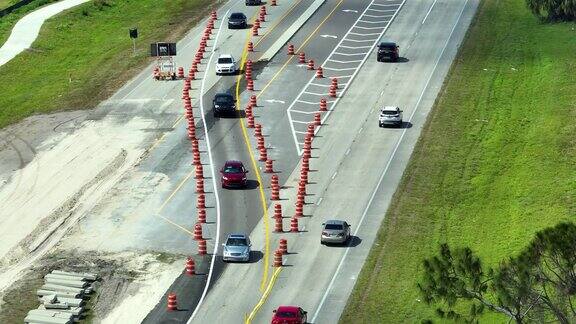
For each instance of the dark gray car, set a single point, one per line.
(237, 20)
(224, 105)
(335, 231)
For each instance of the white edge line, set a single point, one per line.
(387, 166)
(217, 238)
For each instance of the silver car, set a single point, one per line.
(390, 115)
(335, 231)
(237, 248)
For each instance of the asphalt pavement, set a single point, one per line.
(356, 165)
(157, 209)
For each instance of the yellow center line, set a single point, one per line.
(268, 289)
(265, 295)
(254, 164)
(176, 190)
(177, 225)
(299, 49)
(255, 167)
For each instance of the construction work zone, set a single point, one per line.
(62, 297)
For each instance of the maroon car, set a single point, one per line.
(233, 174)
(289, 315)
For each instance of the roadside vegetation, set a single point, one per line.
(84, 55)
(535, 286)
(494, 164)
(553, 10)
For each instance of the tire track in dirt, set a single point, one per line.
(52, 228)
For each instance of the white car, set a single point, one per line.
(390, 115)
(226, 64)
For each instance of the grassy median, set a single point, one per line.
(495, 162)
(83, 56)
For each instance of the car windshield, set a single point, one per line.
(389, 112)
(232, 169)
(225, 60)
(285, 314)
(236, 16)
(236, 242)
(223, 99)
(334, 226)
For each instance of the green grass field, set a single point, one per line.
(90, 45)
(495, 162)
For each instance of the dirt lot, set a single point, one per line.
(123, 276)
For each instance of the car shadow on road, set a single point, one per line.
(353, 242)
(255, 256)
(237, 114)
(406, 124)
(252, 184)
(402, 60)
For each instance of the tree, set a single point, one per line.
(537, 285)
(553, 10)
(552, 255)
(453, 277)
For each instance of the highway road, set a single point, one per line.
(147, 199)
(357, 164)
(154, 208)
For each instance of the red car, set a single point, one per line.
(289, 315)
(233, 174)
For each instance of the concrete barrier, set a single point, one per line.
(75, 311)
(64, 277)
(56, 306)
(54, 287)
(51, 313)
(41, 319)
(42, 292)
(73, 302)
(86, 275)
(68, 283)
(290, 31)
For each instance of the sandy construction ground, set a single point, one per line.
(55, 169)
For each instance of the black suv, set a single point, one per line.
(223, 104)
(387, 51)
(237, 20)
(253, 2)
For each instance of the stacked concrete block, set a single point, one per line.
(62, 297)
